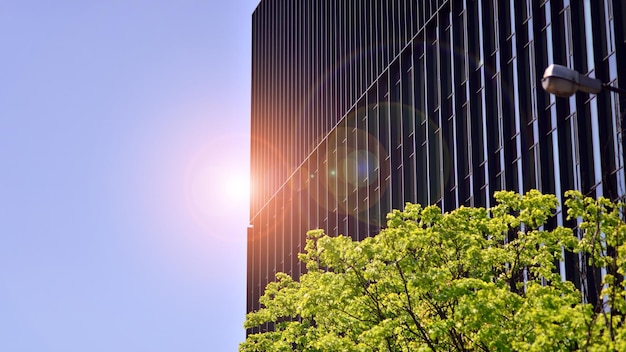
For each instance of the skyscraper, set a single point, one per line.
(361, 106)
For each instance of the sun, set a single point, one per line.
(236, 187)
(217, 187)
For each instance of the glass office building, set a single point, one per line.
(361, 106)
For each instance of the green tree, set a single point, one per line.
(473, 279)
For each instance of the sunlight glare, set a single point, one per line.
(217, 187)
(237, 188)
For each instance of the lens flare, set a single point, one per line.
(216, 186)
(236, 187)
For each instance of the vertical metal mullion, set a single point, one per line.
(455, 148)
(481, 68)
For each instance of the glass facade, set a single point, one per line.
(361, 106)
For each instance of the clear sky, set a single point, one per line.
(124, 161)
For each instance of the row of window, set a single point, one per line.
(457, 114)
(312, 60)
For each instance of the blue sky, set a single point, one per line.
(124, 150)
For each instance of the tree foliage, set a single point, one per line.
(473, 279)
